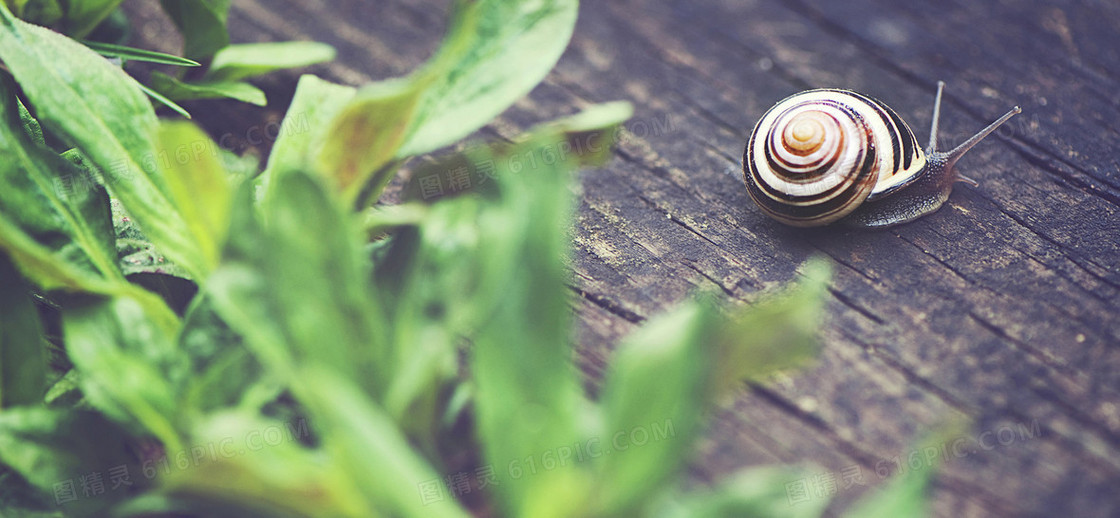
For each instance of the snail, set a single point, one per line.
(829, 155)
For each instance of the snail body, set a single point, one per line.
(829, 155)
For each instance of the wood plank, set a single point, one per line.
(1002, 307)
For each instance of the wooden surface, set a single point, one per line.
(1002, 307)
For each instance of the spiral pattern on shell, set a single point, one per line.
(815, 156)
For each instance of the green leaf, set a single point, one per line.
(366, 134)
(202, 24)
(96, 107)
(54, 218)
(905, 494)
(380, 219)
(671, 371)
(427, 281)
(590, 135)
(23, 362)
(82, 16)
(198, 184)
(241, 61)
(494, 54)
(428, 277)
(585, 139)
(656, 387)
(124, 350)
(322, 310)
(378, 460)
(135, 253)
(30, 125)
(258, 468)
(226, 374)
(528, 399)
(776, 334)
(304, 130)
(181, 91)
(19, 499)
(902, 496)
(16, 6)
(42, 12)
(134, 54)
(55, 449)
(754, 492)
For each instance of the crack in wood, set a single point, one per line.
(847, 301)
(610, 306)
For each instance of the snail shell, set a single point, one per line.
(825, 155)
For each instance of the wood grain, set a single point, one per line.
(1001, 308)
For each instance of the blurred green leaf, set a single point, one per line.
(55, 449)
(304, 129)
(96, 107)
(591, 134)
(675, 367)
(905, 494)
(64, 393)
(429, 274)
(241, 61)
(23, 362)
(135, 54)
(54, 218)
(657, 384)
(359, 435)
(496, 52)
(296, 285)
(225, 373)
(428, 283)
(755, 493)
(178, 90)
(257, 467)
(528, 399)
(16, 6)
(366, 134)
(383, 218)
(82, 16)
(902, 496)
(202, 24)
(130, 367)
(19, 499)
(776, 334)
(584, 140)
(197, 183)
(42, 12)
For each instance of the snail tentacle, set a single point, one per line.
(960, 150)
(932, 148)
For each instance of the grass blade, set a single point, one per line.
(164, 101)
(134, 54)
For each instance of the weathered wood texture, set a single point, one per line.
(1002, 307)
